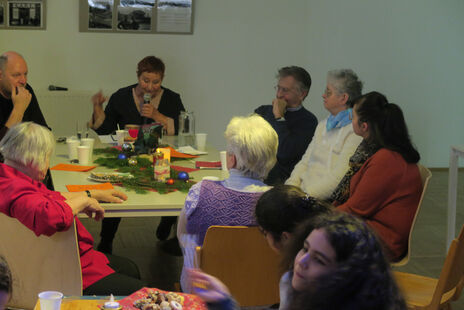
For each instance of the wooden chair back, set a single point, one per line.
(39, 263)
(426, 175)
(452, 274)
(241, 257)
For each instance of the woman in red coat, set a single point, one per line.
(386, 189)
(27, 148)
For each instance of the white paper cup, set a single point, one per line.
(201, 141)
(210, 178)
(50, 300)
(72, 148)
(223, 156)
(83, 154)
(88, 142)
(120, 134)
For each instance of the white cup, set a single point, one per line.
(50, 300)
(88, 142)
(223, 156)
(210, 178)
(120, 134)
(83, 154)
(201, 141)
(72, 148)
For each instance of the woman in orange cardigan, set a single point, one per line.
(386, 189)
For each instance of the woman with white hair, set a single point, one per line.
(27, 148)
(251, 153)
(326, 159)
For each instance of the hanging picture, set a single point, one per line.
(174, 15)
(25, 14)
(2, 15)
(135, 15)
(100, 14)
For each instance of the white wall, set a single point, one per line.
(412, 51)
(409, 50)
(225, 68)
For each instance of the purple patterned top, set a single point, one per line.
(219, 205)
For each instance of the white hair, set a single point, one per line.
(254, 143)
(345, 81)
(28, 144)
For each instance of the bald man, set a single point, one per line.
(18, 102)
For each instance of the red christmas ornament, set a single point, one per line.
(170, 181)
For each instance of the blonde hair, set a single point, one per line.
(254, 143)
(28, 144)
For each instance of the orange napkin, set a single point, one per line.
(81, 188)
(68, 167)
(176, 154)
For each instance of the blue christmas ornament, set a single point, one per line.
(183, 176)
(122, 156)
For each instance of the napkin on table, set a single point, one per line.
(81, 188)
(68, 167)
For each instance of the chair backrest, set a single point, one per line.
(452, 274)
(241, 257)
(39, 263)
(426, 175)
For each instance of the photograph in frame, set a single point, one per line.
(100, 14)
(174, 16)
(135, 15)
(2, 15)
(25, 14)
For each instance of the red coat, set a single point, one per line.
(46, 212)
(386, 192)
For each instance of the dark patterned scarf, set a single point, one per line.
(364, 151)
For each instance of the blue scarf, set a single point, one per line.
(340, 120)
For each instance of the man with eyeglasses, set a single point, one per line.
(294, 124)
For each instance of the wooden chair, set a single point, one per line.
(426, 175)
(241, 257)
(432, 294)
(39, 263)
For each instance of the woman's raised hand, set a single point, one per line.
(207, 287)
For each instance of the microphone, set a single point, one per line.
(53, 87)
(146, 100)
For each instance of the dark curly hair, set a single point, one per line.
(151, 64)
(281, 208)
(5, 276)
(362, 278)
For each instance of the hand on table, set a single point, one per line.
(207, 287)
(110, 195)
(279, 107)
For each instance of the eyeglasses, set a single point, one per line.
(328, 92)
(284, 90)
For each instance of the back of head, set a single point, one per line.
(387, 127)
(151, 64)
(362, 277)
(5, 279)
(254, 143)
(28, 144)
(283, 207)
(345, 81)
(299, 74)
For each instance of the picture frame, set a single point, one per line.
(23, 14)
(136, 16)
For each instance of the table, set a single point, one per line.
(455, 153)
(137, 205)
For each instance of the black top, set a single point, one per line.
(32, 113)
(295, 133)
(121, 109)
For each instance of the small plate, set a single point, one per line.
(112, 177)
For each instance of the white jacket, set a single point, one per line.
(325, 161)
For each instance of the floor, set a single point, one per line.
(136, 239)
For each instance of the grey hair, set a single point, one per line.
(3, 61)
(28, 144)
(254, 143)
(345, 81)
(299, 74)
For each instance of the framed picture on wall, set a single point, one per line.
(100, 14)
(25, 14)
(2, 15)
(136, 16)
